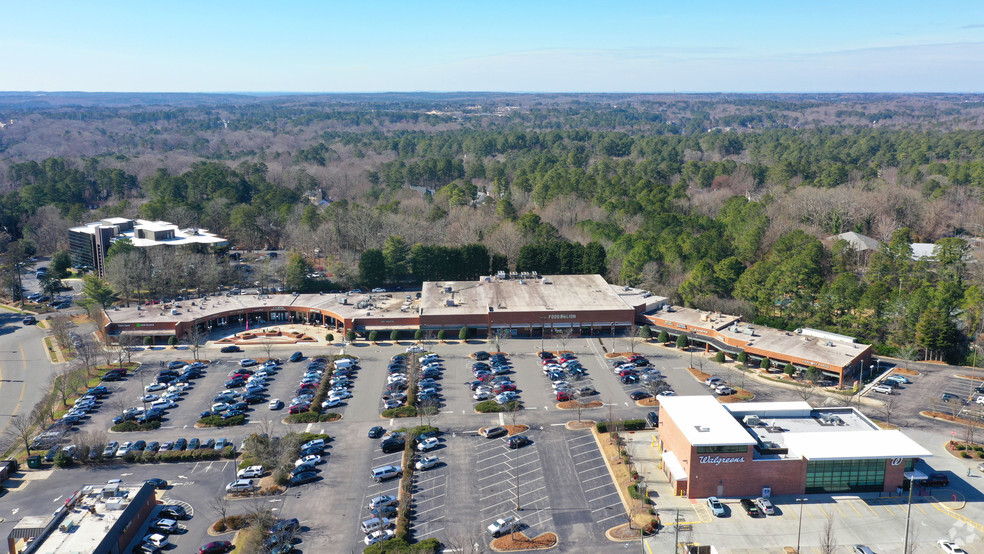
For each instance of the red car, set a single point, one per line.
(563, 396)
(216, 547)
(625, 372)
(502, 387)
(298, 409)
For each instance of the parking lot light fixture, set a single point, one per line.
(799, 527)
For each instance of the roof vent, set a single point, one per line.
(702, 429)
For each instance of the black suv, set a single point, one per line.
(750, 508)
(392, 445)
(652, 418)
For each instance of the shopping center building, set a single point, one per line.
(838, 357)
(752, 449)
(519, 303)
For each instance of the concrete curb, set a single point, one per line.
(554, 545)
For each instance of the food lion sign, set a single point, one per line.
(718, 460)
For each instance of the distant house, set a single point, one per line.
(859, 242)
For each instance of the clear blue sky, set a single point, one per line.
(656, 46)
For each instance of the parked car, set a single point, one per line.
(428, 444)
(216, 547)
(765, 506)
(715, 506)
(750, 508)
(652, 418)
(156, 539)
(639, 395)
(885, 389)
(241, 485)
(383, 500)
(376, 432)
(502, 526)
(427, 462)
(517, 441)
(303, 478)
(950, 547)
(492, 432)
(230, 348)
(936, 479)
(251, 471)
(173, 511)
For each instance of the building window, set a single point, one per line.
(831, 476)
(726, 449)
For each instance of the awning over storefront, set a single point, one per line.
(147, 333)
(674, 467)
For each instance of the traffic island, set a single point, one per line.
(580, 425)
(626, 532)
(518, 541)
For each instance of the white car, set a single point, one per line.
(241, 485)
(179, 387)
(714, 381)
(275, 404)
(715, 506)
(416, 348)
(885, 389)
(149, 398)
(427, 462)
(378, 536)
(430, 443)
(165, 525)
(765, 506)
(502, 526)
(156, 539)
(311, 458)
(155, 386)
(332, 402)
(251, 471)
(950, 547)
(123, 449)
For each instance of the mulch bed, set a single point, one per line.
(624, 532)
(519, 541)
(572, 404)
(585, 424)
(648, 402)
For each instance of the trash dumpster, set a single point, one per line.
(34, 462)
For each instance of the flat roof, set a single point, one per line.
(696, 318)
(558, 293)
(855, 445)
(181, 236)
(817, 351)
(704, 421)
(377, 305)
(85, 530)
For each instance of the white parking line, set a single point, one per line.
(586, 491)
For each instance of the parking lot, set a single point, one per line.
(511, 479)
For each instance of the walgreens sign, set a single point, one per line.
(717, 460)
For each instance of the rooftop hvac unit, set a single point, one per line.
(752, 420)
(449, 302)
(533, 273)
(828, 343)
(522, 281)
(447, 289)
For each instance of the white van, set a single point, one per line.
(343, 363)
(374, 524)
(384, 473)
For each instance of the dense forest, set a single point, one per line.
(716, 201)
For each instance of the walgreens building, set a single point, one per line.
(778, 448)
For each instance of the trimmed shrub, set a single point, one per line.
(645, 332)
(634, 491)
(399, 545)
(394, 335)
(217, 421)
(463, 333)
(491, 407)
(962, 455)
(329, 337)
(663, 337)
(766, 363)
(62, 459)
(373, 336)
(682, 341)
(130, 426)
(402, 411)
(441, 335)
(742, 357)
(172, 341)
(789, 369)
(719, 357)
(418, 334)
(148, 341)
(350, 336)
(626, 424)
(312, 417)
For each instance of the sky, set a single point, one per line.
(531, 46)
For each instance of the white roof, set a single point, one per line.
(855, 445)
(923, 250)
(795, 408)
(858, 241)
(704, 421)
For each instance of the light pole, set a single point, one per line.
(799, 527)
(908, 511)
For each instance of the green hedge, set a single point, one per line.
(491, 407)
(626, 424)
(401, 546)
(402, 411)
(217, 421)
(199, 454)
(130, 426)
(634, 492)
(312, 417)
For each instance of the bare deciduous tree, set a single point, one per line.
(828, 538)
(196, 339)
(61, 326)
(21, 427)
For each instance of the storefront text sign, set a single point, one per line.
(716, 460)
